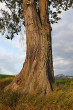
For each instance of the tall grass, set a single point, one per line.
(60, 99)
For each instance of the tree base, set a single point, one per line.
(31, 80)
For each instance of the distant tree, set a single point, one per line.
(36, 15)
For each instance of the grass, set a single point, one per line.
(60, 99)
(5, 76)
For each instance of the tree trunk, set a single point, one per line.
(37, 72)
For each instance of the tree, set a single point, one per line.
(37, 73)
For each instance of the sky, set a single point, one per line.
(13, 52)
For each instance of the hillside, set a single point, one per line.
(61, 76)
(60, 99)
(5, 76)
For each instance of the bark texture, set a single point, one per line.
(37, 72)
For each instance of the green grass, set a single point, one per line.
(2, 76)
(60, 99)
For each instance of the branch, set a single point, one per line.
(43, 9)
(28, 2)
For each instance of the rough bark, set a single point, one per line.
(44, 15)
(37, 72)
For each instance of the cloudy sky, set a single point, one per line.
(12, 53)
(62, 37)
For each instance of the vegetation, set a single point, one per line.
(60, 99)
(5, 76)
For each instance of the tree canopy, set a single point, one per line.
(12, 18)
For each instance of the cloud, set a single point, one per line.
(21, 44)
(0, 71)
(11, 56)
(9, 62)
(63, 44)
(2, 5)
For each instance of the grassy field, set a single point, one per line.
(60, 99)
(5, 76)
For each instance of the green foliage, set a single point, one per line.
(60, 99)
(63, 81)
(12, 20)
